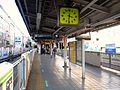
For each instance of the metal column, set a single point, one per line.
(58, 47)
(65, 52)
(83, 60)
(110, 59)
(39, 46)
(51, 50)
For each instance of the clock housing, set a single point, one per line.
(68, 16)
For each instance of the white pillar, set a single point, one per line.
(59, 48)
(83, 60)
(51, 49)
(58, 45)
(65, 51)
(39, 46)
(69, 65)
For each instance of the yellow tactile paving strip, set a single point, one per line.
(35, 81)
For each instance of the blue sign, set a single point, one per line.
(110, 49)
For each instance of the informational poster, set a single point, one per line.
(78, 51)
(73, 54)
(2, 32)
(0, 53)
(17, 44)
(1, 37)
(5, 52)
(17, 41)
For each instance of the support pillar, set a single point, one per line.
(65, 52)
(39, 50)
(110, 59)
(83, 60)
(69, 58)
(69, 65)
(58, 47)
(51, 49)
(83, 37)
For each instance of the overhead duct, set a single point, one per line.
(38, 9)
(38, 20)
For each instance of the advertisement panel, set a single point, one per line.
(17, 41)
(72, 48)
(5, 52)
(0, 53)
(79, 51)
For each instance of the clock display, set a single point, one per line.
(68, 16)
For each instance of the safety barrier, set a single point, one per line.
(14, 74)
(93, 58)
(113, 63)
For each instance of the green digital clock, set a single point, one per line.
(68, 16)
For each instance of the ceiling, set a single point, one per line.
(40, 16)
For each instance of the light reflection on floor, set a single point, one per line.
(60, 78)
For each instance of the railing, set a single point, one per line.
(114, 62)
(100, 58)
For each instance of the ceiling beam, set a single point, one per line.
(31, 15)
(108, 18)
(23, 14)
(88, 6)
(51, 19)
(49, 29)
(104, 20)
(58, 30)
(93, 10)
(36, 5)
(78, 30)
(81, 27)
(26, 10)
(45, 31)
(83, 30)
(38, 15)
(94, 6)
(32, 25)
(39, 6)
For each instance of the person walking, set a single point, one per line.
(54, 51)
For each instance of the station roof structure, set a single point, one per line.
(40, 16)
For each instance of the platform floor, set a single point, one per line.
(48, 74)
(35, 81)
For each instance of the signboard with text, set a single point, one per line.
(110, 49)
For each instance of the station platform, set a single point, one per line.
(48, 74)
